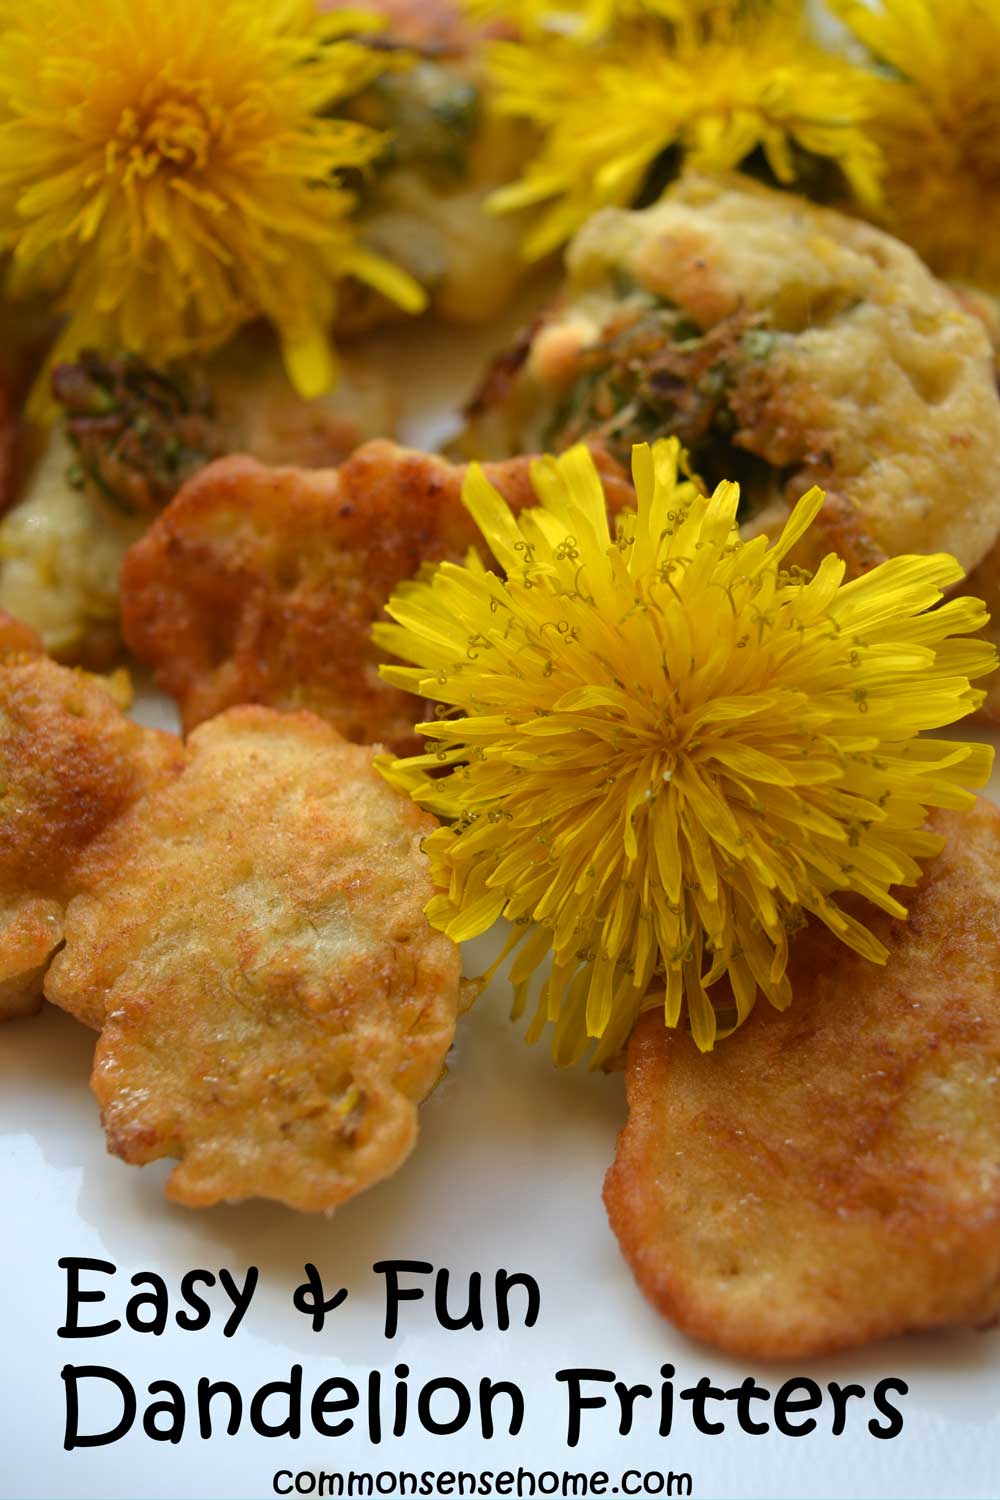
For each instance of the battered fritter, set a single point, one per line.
(16, 636)
(832, 1176)
(28, 330)
(79, 507)
(262, 585)
(424, 206)
(250, 941)
(241, 918)
(786, 345)
(70, 764)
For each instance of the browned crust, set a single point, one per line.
(250, 941)
(832, 1174)
(242, 920)
(70, 765)
(262, 585)
(16, 636)
(499, 382)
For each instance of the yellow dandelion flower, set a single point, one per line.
(660, 750)
(935, 109)
(612, 113)
(167, 173)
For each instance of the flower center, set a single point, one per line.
(174, 128)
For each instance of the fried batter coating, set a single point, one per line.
(61, 551)
(425, 204)
(242, 920)
(29, 328)
(16, 636)
(261, 413)
(261, 585)
(81, 507)
(787, 345)
(832, 1176)
(70, 764)
(250, 940)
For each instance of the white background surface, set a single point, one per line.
(508, 1174)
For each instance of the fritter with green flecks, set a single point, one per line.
(787, 345)
(249, 940)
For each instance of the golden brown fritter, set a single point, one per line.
(262, 585)
(80, 508)
(425, 204)
(261, 413)
(832, 1175)
(28, 329)
(70, 764)
(787, 345)
(16, 636)
(250, 941)
(242, 920)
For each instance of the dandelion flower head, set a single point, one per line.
(935, 106)
(618, 115)
(660, 751)
(169, 171)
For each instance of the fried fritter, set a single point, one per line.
(16, 636)
(70, 764)
(261, 585)
(242, 920)
(29, 328)
(61, 551)
(832, 1176)
(82, 506)
(787, 345)
(260, 413)
(425, 203)
(250, 941)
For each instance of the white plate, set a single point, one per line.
(508, 1175)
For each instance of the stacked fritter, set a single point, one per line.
(241, 919)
